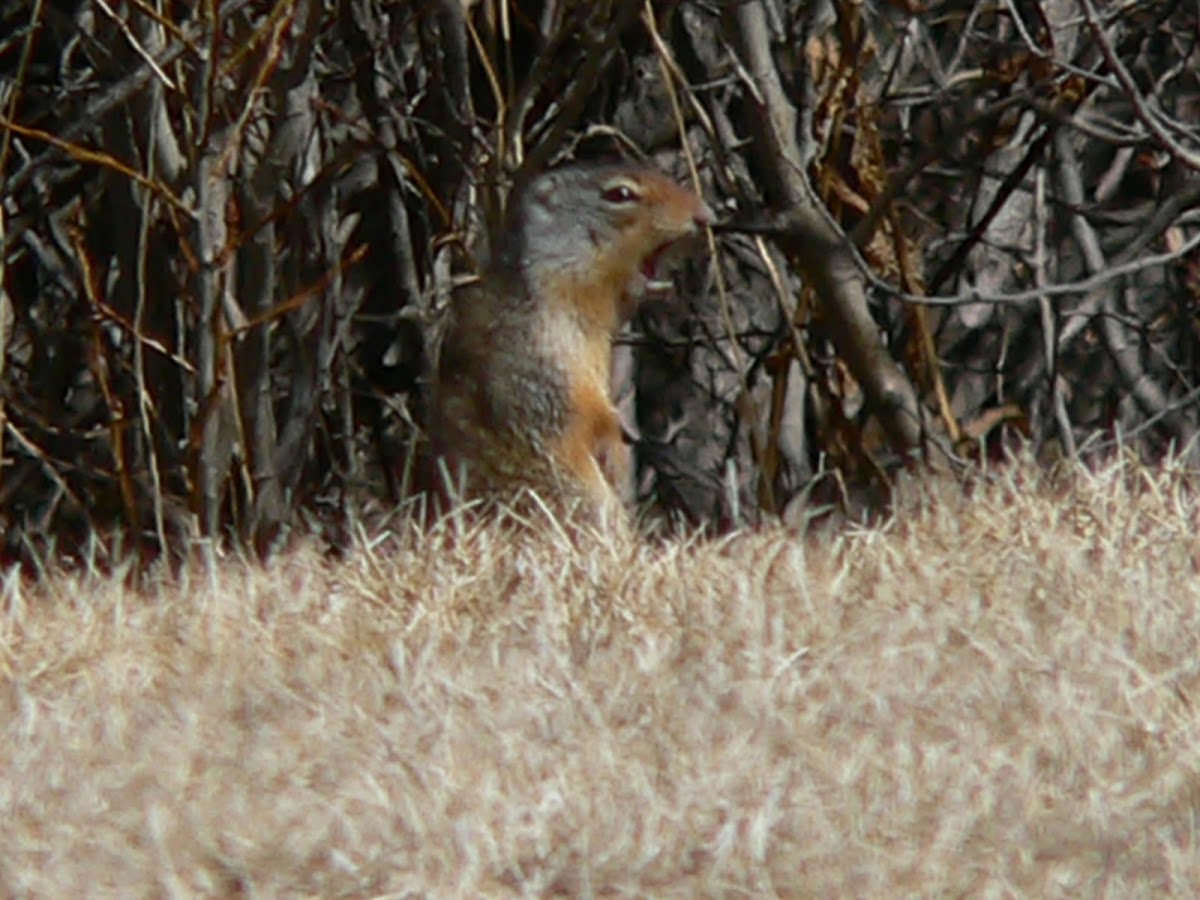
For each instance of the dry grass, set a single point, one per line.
(993, 695)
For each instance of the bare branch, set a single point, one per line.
(825, 254)
(1145, 115)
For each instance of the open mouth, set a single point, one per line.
(655, 269)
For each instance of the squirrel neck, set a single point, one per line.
(572, 275)
(591, 296)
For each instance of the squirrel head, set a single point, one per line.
(598, 233)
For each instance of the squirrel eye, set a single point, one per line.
(619, 193)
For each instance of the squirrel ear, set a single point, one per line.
(543, 187)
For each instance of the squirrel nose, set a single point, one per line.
(704, 215)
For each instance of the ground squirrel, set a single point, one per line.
(522, 393)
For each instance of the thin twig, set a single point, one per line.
(136, 44)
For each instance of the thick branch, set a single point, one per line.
(823, 252)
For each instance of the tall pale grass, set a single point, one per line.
(992, 694)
